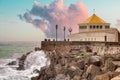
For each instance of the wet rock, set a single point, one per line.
(37, 49)
(12, 63)
(34, 78)
(22, 60)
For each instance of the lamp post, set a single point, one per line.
(70, 30)
(56, 31)
(64, 32)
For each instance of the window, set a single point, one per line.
(83, 27)
(94, 27)
(90, 27)
(97, 26)
(101, 27)
(107, 27)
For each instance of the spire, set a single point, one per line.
(93, 11)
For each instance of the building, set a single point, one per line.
(95, 29)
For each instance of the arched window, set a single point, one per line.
(94, 26)
(97, 26)
(100, 26)
(90, 26)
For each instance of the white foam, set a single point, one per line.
(34, 61)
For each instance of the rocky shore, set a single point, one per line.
(82, 65)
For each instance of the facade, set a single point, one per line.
(95, 29)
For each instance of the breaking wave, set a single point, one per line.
(34, 61)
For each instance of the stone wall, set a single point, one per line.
(77, 46)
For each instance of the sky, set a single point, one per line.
(34, 20)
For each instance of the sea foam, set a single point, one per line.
(34, 61)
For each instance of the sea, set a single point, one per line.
(11, 51)
(15, 49)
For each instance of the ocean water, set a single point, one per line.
(11, 51)
(34, 61)
(16, 49)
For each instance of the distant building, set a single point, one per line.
(95, 29)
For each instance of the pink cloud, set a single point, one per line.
(55, 13)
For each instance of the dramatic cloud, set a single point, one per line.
(47, 16)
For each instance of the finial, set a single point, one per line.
(93, 11)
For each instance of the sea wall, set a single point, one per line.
(81, 46)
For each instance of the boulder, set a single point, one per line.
(62, 77)
(117, 63)
(81, 64)
(116, 78)
(76, 77)
(118, 69)
(109, 66)
(12, 63)
(92, 71)
(106, 76)
(74, 71)
(96, 60)
(37, 49)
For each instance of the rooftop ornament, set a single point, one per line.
(70, 30)
(56, 27)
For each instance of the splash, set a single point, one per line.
(34, 61)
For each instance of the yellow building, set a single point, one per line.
(95, 29)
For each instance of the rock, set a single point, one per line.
(118, 69)
(62, 77)
(81, 64)
(106, 76)
(92, 71)
(76, 77)
(88, 49)
(58, 68)
(74, 71)
(21, 61)
(46, 73)
(96, 60)
(116, 56)
(12, 63)
(34, 78)
(117, 63)
(116, 78)
(37, 49)
(109, 66)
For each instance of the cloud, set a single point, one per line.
(47, 16)
(20, 16)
